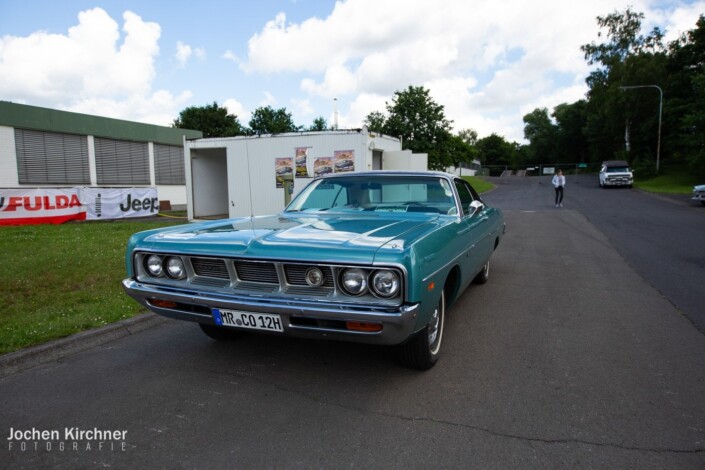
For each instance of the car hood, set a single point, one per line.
(331, 237)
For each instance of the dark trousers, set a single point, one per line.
(559, 194)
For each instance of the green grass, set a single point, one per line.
(57, 280)
(480, 185)
(672, 180)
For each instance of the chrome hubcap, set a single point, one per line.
(433, 327)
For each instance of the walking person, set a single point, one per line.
(558, 184)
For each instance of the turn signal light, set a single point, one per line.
(163, 303)
(363, 326)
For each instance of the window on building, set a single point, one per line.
(51, 158)
(169, 164)
(121, 162)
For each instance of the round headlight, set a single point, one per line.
(314, 277)
(385, 283)
(354, 281)
(175, 268)
(154, 265)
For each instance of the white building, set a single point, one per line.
(48, 148)
(242, 176)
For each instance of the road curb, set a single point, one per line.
(41, 354)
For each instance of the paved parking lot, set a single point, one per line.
(568, 357)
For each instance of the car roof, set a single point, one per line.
(389, 173)
(615, 163)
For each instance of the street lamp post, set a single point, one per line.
(660, 111)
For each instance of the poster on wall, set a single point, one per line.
(40, 206)
(344, 160)
(120, 203)
(322, 166)
(283, 169)
(301, 162)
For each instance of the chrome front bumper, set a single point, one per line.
(300, 318)
(618, 182)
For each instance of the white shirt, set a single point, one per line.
(558, 180)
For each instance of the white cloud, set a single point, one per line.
(93, 68)
(302, 108)
(183, 53)
(236, 108)
(358, 109)
(682, 19)
(159, 108)
(486, 61)
(268, 100)
(230, 55)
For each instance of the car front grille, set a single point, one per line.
(260, 277)
(262, 272)
(210, 267)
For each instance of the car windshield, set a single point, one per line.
(384, 193)
(617, 169)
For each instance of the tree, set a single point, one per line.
(375, 121)
(454, 150)
(541, 134)
(571, 144)
(419, 121)
(495, 150)
(212, 120)
(625, 58)
(624, 39)
(319, 124)
(267, 120)
(469, 136)
(686, 92)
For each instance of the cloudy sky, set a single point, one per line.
(489, 62)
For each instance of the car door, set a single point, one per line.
(474, 230)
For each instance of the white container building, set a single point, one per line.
(238, 176)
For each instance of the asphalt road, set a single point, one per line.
(661, 237)
(568, 357)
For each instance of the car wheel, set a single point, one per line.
(484, 275)
(219, 333)
(702, 202)
(422, 350)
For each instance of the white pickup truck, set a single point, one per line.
(616, 173)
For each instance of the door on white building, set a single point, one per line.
(209, 183)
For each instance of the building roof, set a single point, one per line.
(46, 119)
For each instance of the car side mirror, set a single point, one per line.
(475, 207)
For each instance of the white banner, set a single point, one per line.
(59, 205)
(40, 206)
(119, 203)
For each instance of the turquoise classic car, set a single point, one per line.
(372, 257)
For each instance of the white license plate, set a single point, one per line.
(251, 320)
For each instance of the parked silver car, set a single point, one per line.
(699, 193)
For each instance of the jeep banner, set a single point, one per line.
(59, 205)
(119, 203)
